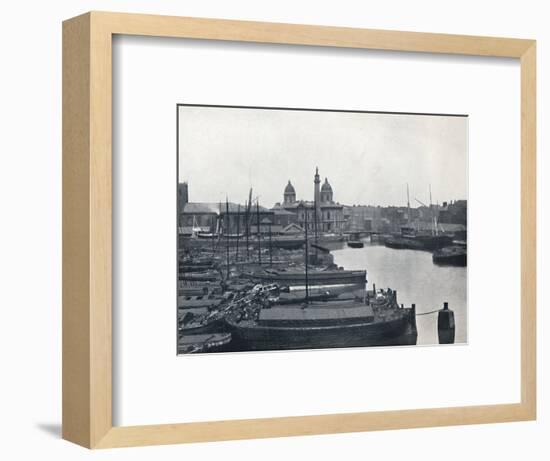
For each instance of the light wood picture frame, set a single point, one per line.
(87, 228)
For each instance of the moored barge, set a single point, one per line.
(312, 277)
(450, 256)
(326, 325)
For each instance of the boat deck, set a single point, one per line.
(317, 315)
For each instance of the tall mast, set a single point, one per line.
(316, 201)
(315, 226)
(258, 231)
(307, 258)
(434, 230)
(270, 247)
(408, 207)
(248, 209)
(238, 231)
(226, 232)
(246, 214)
(214, 232)
(221, 227)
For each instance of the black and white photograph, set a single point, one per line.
(316, 229)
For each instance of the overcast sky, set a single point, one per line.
(368, 157)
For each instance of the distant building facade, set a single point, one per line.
(359, 218)
(183, 193)
(225, 218)
(454, 212)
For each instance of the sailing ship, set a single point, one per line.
(412, 239)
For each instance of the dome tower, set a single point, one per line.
(326, 192)
(289, 194)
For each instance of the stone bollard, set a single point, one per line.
(446, 325)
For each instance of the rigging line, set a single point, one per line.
(426, 313)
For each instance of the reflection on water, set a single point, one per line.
(417, 280)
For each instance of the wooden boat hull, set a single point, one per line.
(199, 342)
(253, 336)
(214, 326)
(419, 242)
(207, 276)
(187, 267)
(207, 235)
(399, 243)
(434, 242)
(458, 259)
(357, 278)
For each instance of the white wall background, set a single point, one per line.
(30, 230)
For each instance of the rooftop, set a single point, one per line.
(280, 211)
(310, 204)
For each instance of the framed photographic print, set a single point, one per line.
(258, 217)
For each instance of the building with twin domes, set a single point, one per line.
(322, 213)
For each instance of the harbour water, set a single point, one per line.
(417, 280)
